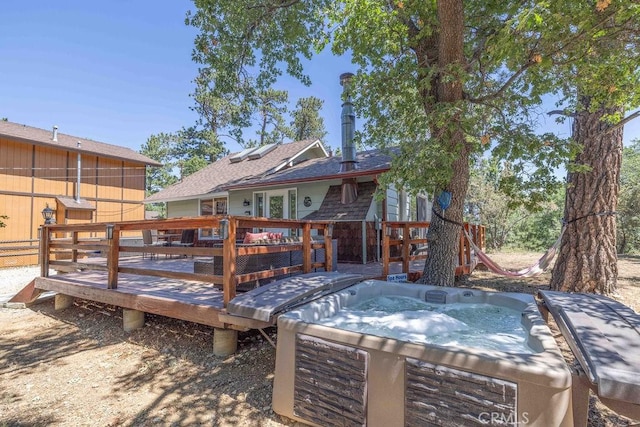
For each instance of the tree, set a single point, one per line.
(271, 107)
(194, 149)
(158, 148)
(604, 80)
(438, 79)
(307, 122)
(508, 220)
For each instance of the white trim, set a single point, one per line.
(189, 197)
(279, 192)
(315, 144)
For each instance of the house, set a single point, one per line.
(300, 180)
(78, 179)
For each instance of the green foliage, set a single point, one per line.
(510, 220)
(194, 148)
(2, 224)
(307, 122)
(158, 148)
(246, 47)
(629, 201)
(271, 107)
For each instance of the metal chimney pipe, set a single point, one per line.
(349, 189)
(55, 133)
(348, 125)
(79, 174)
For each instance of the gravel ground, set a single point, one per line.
(77, 367)
(12, 280)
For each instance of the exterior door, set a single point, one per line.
(277, 206)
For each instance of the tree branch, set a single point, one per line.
(561, 113)
(624, 121)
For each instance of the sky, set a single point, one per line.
(119, 71)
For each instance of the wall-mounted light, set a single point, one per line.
(47, 214)
(224, 228)
(246, 202)
(110, 231)
(330, 230)
(247, 213)
(307, 201)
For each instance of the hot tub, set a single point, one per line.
(327, 375)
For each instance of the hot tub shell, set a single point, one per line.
(328, 376)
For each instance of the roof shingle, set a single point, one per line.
(24, 133)
(222, 174)
(332, 208)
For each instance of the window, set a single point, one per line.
(215, 206)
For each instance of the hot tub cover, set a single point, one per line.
(604, 335)
(264, 302)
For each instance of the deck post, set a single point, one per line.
(385, 250)
(44, 251)
(306, 247)
(62, 302)
(228, 228)
(328, 247)
(406, 247)
(74, 252)
(113, 239)
(225, 341)
(132, 319)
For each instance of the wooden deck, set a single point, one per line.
(171, 286)
(193, 301)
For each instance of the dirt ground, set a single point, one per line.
(77, 367)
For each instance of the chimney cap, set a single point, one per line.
(345, 78)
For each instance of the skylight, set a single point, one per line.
(260, 152)
(238, 157)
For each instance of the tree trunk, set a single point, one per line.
(587, 261)
(443, 235)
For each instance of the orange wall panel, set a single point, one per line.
(18, 209)
(50, 171)
(15, 166)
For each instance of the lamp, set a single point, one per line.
(47, 214)
(246, 202)
(224, 228)
(109, 231)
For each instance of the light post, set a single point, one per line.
(47, 214)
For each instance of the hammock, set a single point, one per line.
(536, 269)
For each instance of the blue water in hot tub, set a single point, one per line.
(481, 326)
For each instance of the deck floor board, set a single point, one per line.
(194, 301)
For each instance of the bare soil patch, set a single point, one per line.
(77, 367)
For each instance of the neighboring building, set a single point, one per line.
(300, 180)
(39, 168)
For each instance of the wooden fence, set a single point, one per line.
(63, 247)
(406, 241)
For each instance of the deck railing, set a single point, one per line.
(62, 247)
(406, 241)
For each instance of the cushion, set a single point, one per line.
(274, 236)
(253, 237)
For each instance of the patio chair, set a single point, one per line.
(187, 239)
(149, 239)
